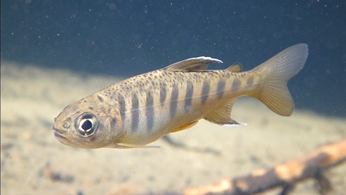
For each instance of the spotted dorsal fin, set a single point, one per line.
(192, 64)
(236, 67)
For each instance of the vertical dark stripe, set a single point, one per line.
(149, 111)
(174, 101)
(113, 124)
(163, 93)
(122, 106)
(135, 113)
(220, 88)
(205, 91)
(249, 81)
(188, 96)
(236, 84)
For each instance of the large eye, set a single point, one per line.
(86, 124)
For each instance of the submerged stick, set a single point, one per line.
(284, 175)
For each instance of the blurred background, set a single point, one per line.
(125, 38)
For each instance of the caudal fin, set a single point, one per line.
(277, 71)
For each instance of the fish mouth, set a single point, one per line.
(59, 136)
(58, 130)
(58, 133)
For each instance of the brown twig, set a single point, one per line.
(283, 175)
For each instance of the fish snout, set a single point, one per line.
(61, 128)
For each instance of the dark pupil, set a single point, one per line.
(87, 125)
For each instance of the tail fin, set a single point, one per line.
(277, 71)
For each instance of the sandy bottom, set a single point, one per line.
(34, 162)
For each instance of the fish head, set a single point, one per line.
(86, 124)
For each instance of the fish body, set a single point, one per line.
(142, 109)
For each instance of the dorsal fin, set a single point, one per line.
(236, 67)
(192, 64)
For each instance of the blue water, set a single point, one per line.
(131, 37)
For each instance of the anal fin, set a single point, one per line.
(222, 116)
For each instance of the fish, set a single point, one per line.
(140, 110)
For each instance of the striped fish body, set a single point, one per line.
(140, 110)
(162, 101)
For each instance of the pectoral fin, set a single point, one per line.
(222, 116)
(125, 146)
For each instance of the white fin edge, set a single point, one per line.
(234, 125)
(206, 58)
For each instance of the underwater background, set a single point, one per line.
(126, 38)
(54, 53)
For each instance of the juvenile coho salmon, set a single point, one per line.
(142, 109)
